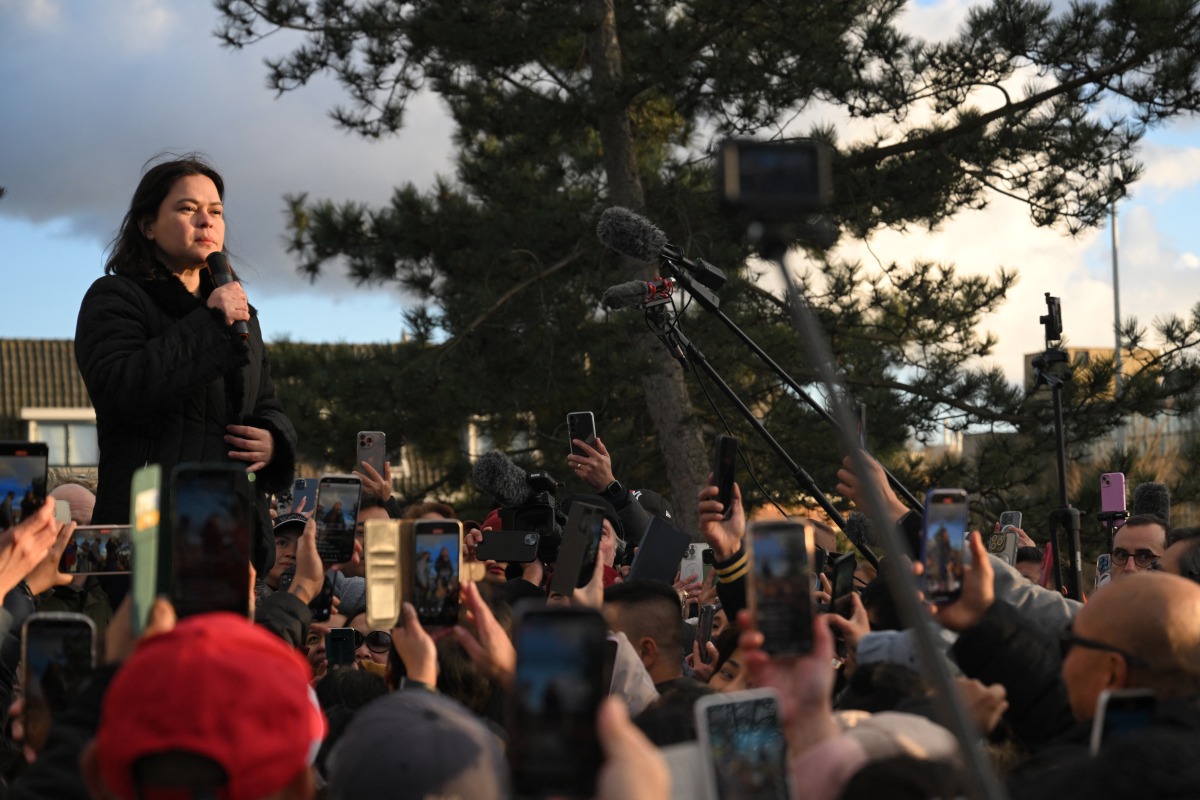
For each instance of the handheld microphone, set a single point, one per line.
(1153, 499)
(637, 293)
(496, 475)
(635, 236)
(218, 267)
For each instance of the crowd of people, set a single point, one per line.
(260, 707)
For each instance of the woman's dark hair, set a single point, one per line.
(131, 254)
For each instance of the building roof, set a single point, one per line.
(39, 373)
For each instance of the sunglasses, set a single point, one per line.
(1067, 639)
(377, 641)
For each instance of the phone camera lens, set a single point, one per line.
(529, 538)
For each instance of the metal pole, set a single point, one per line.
(1116, 320)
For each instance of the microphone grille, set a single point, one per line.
(630, 234)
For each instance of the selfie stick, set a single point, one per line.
(682, 348)
(1064, 517)
(947, 701)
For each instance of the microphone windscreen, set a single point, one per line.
(218, 266)
(630, 235)
(624, 295)
(1153, 499)
(496, 475)
(859, 528)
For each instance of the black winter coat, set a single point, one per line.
(166, 375)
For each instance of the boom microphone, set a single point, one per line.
(859, 529)
(496, 475)
(218, 267)
(636, 237)
(1152, 499)
(637, 293)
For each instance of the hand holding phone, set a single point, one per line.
(437, 570)
(581, 425)
(372, 449)
(780, 590)
(725, 450)
(209, 542)
(742, 745)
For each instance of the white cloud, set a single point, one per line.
(1169, 169)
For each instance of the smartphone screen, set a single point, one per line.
(98, 550)
(581, 425)
(22, 480)
(724, 464)
(437, 570)
(58, 651)
(553, 747)
(743, 745)
(843, 585)
(946, 518)
(337, 517)
(339, 647)
(372, 448)
(580, 547)
(210, 539)
(145, 503)
(304, 489)
(781, 585)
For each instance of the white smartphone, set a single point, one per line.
(691, 568)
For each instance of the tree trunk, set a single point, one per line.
(666, 392)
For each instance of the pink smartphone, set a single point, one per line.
(1112, 492)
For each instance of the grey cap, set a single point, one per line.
(415, 744)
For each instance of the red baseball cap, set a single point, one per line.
(218, 686)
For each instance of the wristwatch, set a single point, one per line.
(613, 492)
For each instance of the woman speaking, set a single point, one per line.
(170, 378)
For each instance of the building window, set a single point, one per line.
(69, 433)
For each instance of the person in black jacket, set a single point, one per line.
(170, 379)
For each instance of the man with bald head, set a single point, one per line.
(1141, 632)
(80, 498)
(84, 594)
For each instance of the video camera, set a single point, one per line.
(528, 504)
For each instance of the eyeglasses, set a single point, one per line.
(377, 641)
(1067, 639)
(1143, 558)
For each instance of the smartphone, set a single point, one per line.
(304, 489)
(581, 425)
(145, 502)
(58, 650)
(552, 747)
(1010, 519)
(22, 480)
(820, 559)
(337, 517)
(780, 586)
(385, 584)
(579, 550)
(207, 562)
(1003, 546)
(742, 745)
(1112, 495)
(1103, 569)
(1121, 712)
(842, 583)
(704, 629)
(339, 647)
(98, 550)
(321, 605)
(693, 566)
(372, 448)
(725, 450)
(943, 543)
(662, 549)
(610, 664)
(437, 570)
(508, 547)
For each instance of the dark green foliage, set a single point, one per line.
(505, 271)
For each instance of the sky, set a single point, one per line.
(104, 85)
